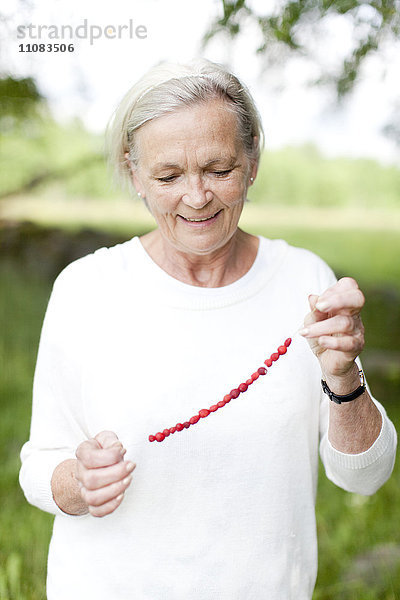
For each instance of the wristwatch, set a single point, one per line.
(347, 397)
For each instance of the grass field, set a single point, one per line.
(348, 524)
(24, 530)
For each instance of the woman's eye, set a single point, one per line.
(166, 179)
(170, 178)
(222, 173)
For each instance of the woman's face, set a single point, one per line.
(194, 175)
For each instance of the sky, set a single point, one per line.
(90, 81)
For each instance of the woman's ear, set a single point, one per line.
(254, 162)
(134, 175)
(254, 170)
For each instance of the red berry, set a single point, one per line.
(235, 393)
(213, 408)
(186, 424)
(255, 375)
(249, 381)
(152, 438)
(221, 403)
(282, 350)
(268, 362)
(204, 413)
(243, 387)
(179, 426)
(194, 419)
(274, 356)
(262, 370)
(172, 429)
(160, 437)
(166, 432)
(288, 342)
(227, 398)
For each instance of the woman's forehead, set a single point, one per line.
(204, 155)
(209, 132)
(208, 163)
(201, 118)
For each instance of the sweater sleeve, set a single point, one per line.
(57, 425)
(362, 473)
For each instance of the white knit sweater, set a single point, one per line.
(223, 510)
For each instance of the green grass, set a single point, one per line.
(25, 531)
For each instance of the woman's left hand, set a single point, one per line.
(334, 328)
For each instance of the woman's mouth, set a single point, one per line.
(200, 221)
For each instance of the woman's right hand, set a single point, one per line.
(102, 473)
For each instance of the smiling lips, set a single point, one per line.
(200, 220)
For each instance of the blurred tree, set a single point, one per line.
(30, 137)
(20, 100)
(392, 128)
(374, 23)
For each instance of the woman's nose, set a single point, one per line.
(196, 195)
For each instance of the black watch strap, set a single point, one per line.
(347, 397)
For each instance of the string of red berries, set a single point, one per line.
(204, 412)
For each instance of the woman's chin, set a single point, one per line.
(201, 242)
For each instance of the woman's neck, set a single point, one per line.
(215, 269)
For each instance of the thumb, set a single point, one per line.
(108, 439)
(312, 300)
(315, 315)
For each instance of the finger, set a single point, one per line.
(106, 509)
(315, 315)
(343, 324)
(350, 301)
(342, 285)
(312, 300)
(105, 494)
(93, 479)
(346, 343)
(108, 439)
(93, 456)
(347, 283)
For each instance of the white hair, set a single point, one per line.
(168, 87)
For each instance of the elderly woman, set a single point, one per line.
(141, 342)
